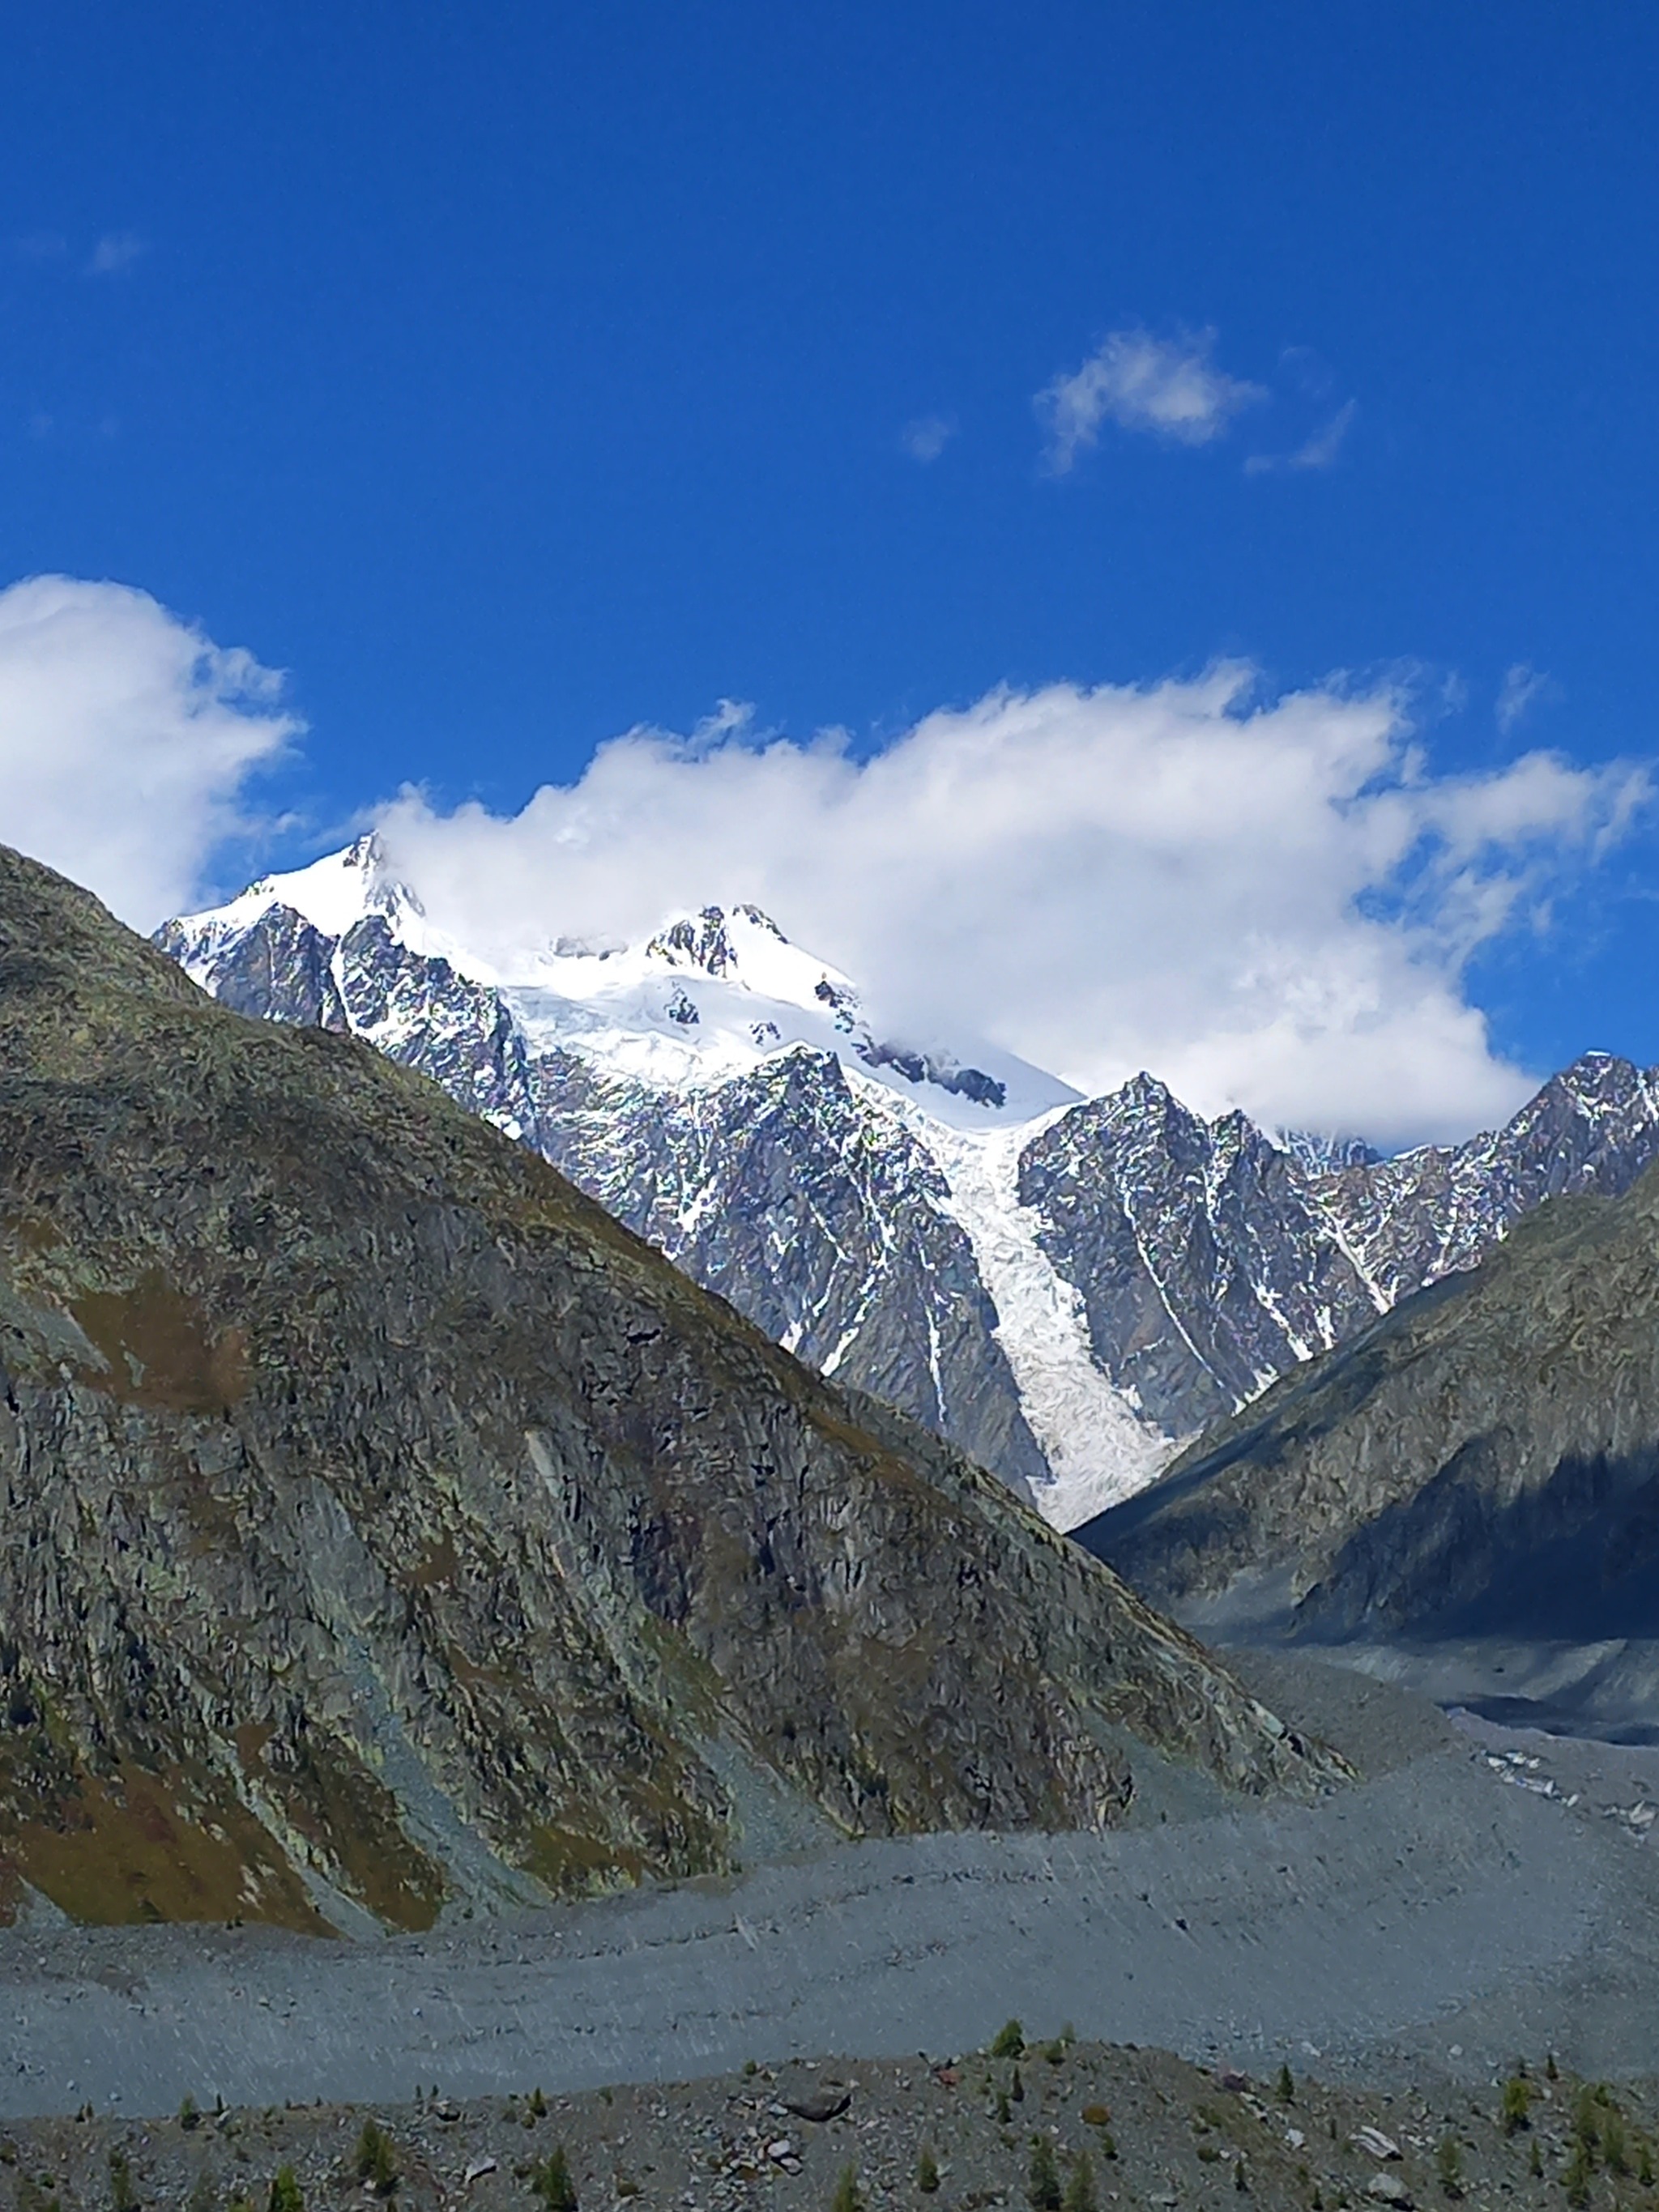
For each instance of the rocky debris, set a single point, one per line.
(1482, 1462)
(1164, 2139)
(1374, 2143)
(392, 1531)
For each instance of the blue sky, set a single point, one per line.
(513, 377)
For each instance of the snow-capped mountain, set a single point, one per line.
(1067, 1288)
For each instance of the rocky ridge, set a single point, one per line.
(389, 1530)
(1483, 1460)
(1069, 1291)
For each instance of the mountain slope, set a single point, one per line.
(1068, 1290)
(387, 1526)
(1482, 1461)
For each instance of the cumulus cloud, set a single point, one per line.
(116, 251)
(1522, 688)
(1169, 387)
(926, 439)
(126, 739)
(1270, 902)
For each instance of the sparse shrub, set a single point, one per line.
(1080, 2186)
(1517, 2104)
(1096, 2116)
(538, 2104)
(123, 2196)
(927, 2171)
(1054, 2052)
(750, 2068)
(1209, 2153)
(189, 2116)
(1535, 2163)
(847, 2198)
(1009, 2040)
(1644, 2170)
(1005, 2110)
(1615, 2149)
(1587, 2123)
(1017, 2091)
(375, 2163)
(1241, 2179)
(1449, 2165)
(1108, 2143)
(551, 2181)
(286, 2195)
(1285, 2086)
(1042, 2179)
(1576, 2178)
(1552, 2072)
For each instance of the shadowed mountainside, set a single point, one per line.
(388, 1527)
(1483, 1460)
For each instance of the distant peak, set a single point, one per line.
(704, 941)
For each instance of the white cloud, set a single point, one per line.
(115, 252)
(1319, 451)
(125, 738)
(1169, 387)
(926, 439)
(1522, 688)
(1269, 904)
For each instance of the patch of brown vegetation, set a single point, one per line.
(158, 1350)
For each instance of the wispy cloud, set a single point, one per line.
(1522, 688)
(40, 246)
(1167, 387)
(1316, 452)
(115, 252)
(926, 439)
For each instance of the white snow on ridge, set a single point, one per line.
(1099, 1445)
(709, 996)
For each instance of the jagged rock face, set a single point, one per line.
(1184, 1263)
(386, 1525)
(1204, 1261)
(1483, 1460)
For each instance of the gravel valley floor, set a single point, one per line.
(1457, 1906)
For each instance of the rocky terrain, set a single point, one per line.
(1482, 1462)
(1043, 2126)
(389, 1532)
(1067, 1290)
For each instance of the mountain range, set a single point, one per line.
(389, 1530)
(1068, 1290)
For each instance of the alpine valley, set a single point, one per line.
(1067, 1288)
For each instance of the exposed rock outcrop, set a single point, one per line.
(387, 1526)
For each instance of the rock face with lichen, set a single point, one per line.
(386, 1527)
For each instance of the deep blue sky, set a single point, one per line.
(512, 374)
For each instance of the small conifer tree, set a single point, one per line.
(847, 2198)
(123, 2196)
(286, 2195)
(927, 2171)
(552, 2183)
(1535, 2163)
(1009, 2040)
(1042, 2181)
(1287, 2086)
(1449, 2163)
(1241, 2179)
(1614, 2148)
(1017, 2091)
(1080, 2186)
(1517, 2104)
(375, 2163)
(1576, 2178)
